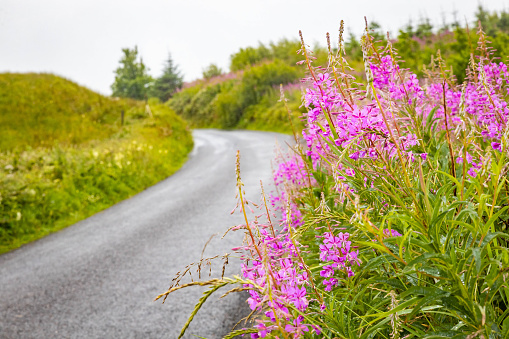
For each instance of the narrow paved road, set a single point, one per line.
(98, 278)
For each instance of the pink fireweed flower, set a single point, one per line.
(298, 297)
(297, 329)
(469, 158)
(336, 250)
(472, 172)
(350, 172)
(327, 271)
(329, 283)
(392, 233)
(317, 329)
(496, 146)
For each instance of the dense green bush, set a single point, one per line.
(225, 104)
(263, 79)
(211, 71)
(248, 57)
(228, 106)
(271, 114)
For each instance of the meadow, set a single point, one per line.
(67, 153)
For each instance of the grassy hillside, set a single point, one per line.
(45, 110)
(64, 154)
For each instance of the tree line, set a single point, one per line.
(132, 79)
(416, 43)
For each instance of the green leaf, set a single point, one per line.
(425, 257)
(476, 252)
(493, 218)
(379, 260)
(396, 283)
(431, 294)
(505, 328)
(446, 334)
(490, 236)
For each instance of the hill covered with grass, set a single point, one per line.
(67, 153)
(45, 110)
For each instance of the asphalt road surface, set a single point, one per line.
(98, 278)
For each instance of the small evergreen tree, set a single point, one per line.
(171, 81)
(131, 78)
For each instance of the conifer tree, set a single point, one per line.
(171, 81)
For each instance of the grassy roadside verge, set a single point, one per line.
(46, 188)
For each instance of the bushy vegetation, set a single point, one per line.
(391, 222)
(243, 100)
(65, 155)
(212, 71)
(250, 95)
(416, 45)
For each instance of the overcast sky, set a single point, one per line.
(82, 40)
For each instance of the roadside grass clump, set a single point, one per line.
(49, 184)
(392, 219)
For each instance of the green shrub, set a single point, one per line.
(248, 57)
(224, 104)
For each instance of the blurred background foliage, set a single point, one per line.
(249, 95)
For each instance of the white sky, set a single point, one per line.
(82, 40)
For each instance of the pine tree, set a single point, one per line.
(166, 85)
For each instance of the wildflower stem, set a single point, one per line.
(239, 186)
(407, 180)
(267, 210)
(453, 167)
(326, 111)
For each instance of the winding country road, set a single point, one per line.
(98, 278)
